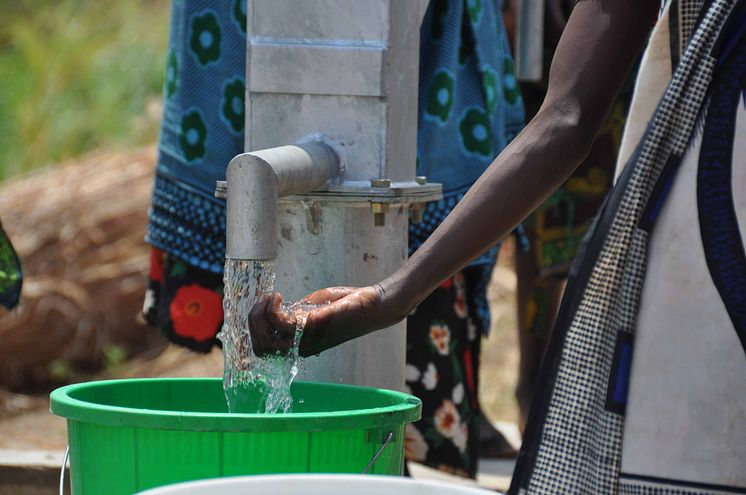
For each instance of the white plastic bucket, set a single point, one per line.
(316, 484)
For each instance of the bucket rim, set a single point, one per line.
(349, 481)
(407, 409)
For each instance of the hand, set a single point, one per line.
(340, 314)
(272, 327)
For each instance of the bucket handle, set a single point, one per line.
(386, 441)
(62, 471)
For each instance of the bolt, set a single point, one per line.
(421, 180)
(416, 211)
(221, 189)
(380, 183)
(379, 211)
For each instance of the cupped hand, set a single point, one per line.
(272, 327)
(337, 314)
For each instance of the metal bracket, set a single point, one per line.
(313, 212)
(405, 192)
(362, 192)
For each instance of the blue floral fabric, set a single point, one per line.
(202, 129)
(470, 107)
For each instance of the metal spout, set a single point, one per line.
(254, 183)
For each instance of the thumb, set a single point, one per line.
(328, 295)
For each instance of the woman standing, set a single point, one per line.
(642, 391)
(468, 103)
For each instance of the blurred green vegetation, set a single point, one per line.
(77, 75)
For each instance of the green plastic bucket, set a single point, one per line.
(129, 435)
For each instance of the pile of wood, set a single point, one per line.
(79, 231)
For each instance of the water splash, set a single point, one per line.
(279, 371)
(255, 384)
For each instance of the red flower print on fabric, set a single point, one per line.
(415, 446)
(459, 281)
(196, 312)
(156, 265)
(447, 419)
(440, 336)
(459, 304)
(469, 370)
(448, 423)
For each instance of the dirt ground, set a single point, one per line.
(500, 356)
(26, 424)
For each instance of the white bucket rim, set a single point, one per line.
(384, 484)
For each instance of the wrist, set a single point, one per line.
(395, 296)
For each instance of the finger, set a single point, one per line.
(282, 321)
(322, 315)
(331, 324)
(325, 296)
(259, 326)
(322, 326)
(275, 303)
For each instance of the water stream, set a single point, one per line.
(255, 384)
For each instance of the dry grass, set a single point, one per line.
(79, 231)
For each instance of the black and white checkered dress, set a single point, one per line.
(596, 425)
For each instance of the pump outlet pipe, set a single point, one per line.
(254, 183)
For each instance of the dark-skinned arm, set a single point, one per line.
(596, 52)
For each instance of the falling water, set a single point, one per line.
(280, 370)
(255, 384)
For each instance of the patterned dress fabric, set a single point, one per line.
(470, 107)
(596, 424)
(443, 345)
(700, 206)
(201, 129)
(11, 277)
(184, 302)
